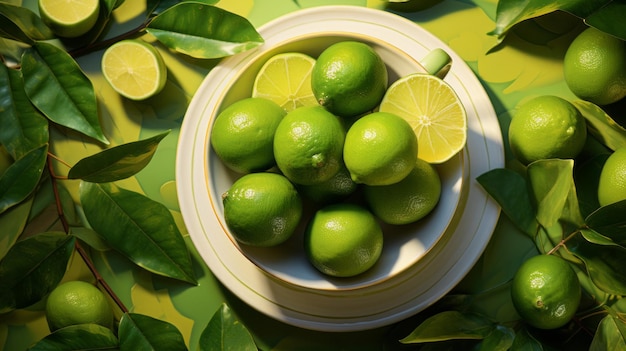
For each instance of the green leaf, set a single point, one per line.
(601, 125)
(610, 222)
(78, 337)
(596, 238)
(138, 227)
(450, 325)
(57, 86)
(512, 12)
(12, 223)
(610, 19)
(90, 237)
(500, 339)
(604, 263)
(204, 31)
(22, 177)
(118, 162)
(552, 183)
(510, 190)
(586, 177)
(21, 24)
(140, 332)
(525, 342)
(32, 268)
(608, 335)
(155, 7)
(102, 23)
(225, 332)
(23, 127)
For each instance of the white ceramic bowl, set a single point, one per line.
(279, 281)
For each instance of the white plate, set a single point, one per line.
(373, 305)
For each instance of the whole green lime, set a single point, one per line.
(546, 291)
(308, 145)
(612, 182)
(594, 67)
(380, 149)
(77, 302)
(409, 200)
(349, 78)
(343, 240)
(262, 209)
(547, 127)
(242, 135)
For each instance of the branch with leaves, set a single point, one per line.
(42, 87)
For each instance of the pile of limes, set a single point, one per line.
(332, 133)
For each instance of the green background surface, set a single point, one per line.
(529, 64)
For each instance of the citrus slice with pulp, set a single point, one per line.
(286, 80)
(134, 68)
(69, 18)
(433, 110)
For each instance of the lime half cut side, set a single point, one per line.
(433, 110)
(134, 68)
(286, 79)
(69, 18)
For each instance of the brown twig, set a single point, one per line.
(78, 247)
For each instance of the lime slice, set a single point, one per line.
(69, 18)
(134, 69)
(286, 80)
(434, 111)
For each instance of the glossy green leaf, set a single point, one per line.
(118, 162)
(610, 18)
(512, 12)
(155, 7)
(57, 86)
(610, 221)
(138, 227)
(510, 190)
(500, 339)
(32, 268)
(22, 177)
(604, 263)
(78, 338)
(204, 31)
(450, 325)
(596, 238)
(525, 342)
(12, 223)
(90, 237)
(608, 335)
(22, 24)
(225, 332)
(140, 332)
(601, 125)
(552, 182)
(23, 127)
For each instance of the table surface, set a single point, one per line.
(528, 65)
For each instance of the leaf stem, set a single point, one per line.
(561, 243)
(99, 45)
(79, 248)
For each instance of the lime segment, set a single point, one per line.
(134, 69)
(69, 18)
(286, 80)
(433, 110)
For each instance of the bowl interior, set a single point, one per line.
(403, 245)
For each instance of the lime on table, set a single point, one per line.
(286, 80)
(134, 68)
(69, 18)
(433, 110)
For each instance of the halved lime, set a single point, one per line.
(433, 110)
(69, 18)
(286, 80)
(134, 68)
